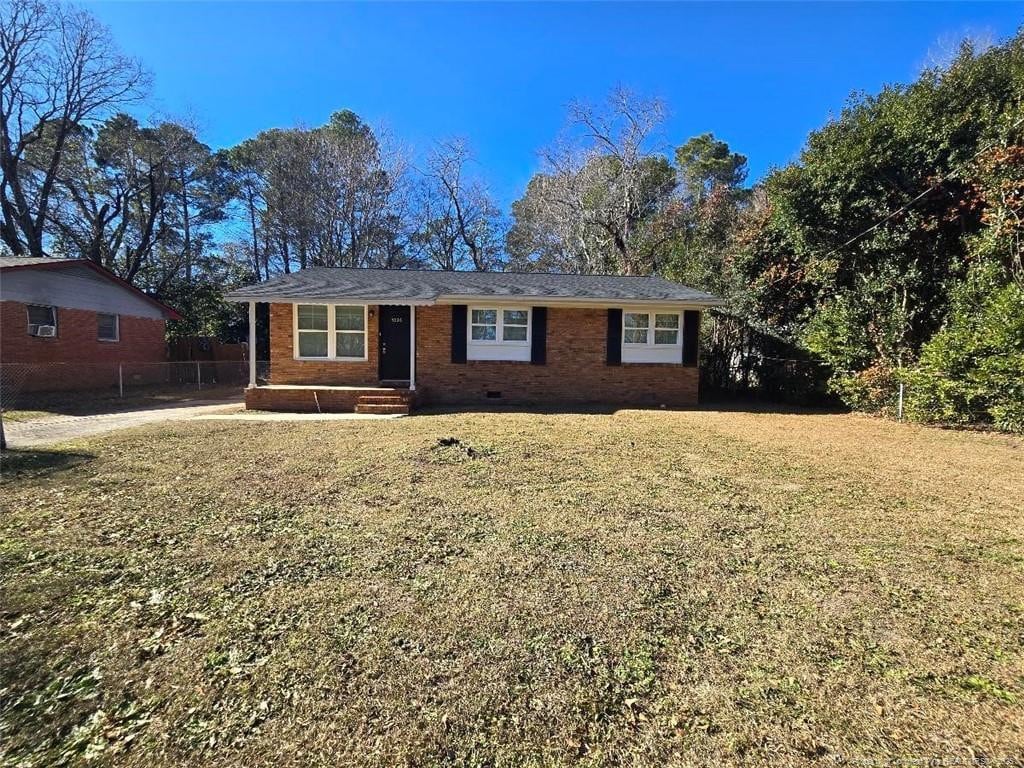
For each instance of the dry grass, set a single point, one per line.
(640, 588)
(40, 405)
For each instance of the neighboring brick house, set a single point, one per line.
(69, 324)
(375, 340)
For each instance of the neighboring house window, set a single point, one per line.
(498, 333)
(651, 337)
(313, 336)
(42, 320)
(107, 327)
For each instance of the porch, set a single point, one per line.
(329, 399)
(337, 358)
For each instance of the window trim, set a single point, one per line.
(117, 328)
(29, 323)
(499, 329)
(332, 333)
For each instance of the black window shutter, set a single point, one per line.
(614, 337)
(539, 338)
(691, 336)
(458, 333)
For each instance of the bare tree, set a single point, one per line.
(361, 192)
(59, 69)
(460, 225)
(600, 186)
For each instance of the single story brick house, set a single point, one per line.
(68, 323)
(377, 340)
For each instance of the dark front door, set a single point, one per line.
(394, 343)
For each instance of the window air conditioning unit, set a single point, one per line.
(46, 331)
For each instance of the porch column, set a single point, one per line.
(252, 343)
(412, 348)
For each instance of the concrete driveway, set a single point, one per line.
(57, 429)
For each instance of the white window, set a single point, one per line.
(515, 325)
(311, 325)
(666, 329)
(498, 333)
(42, 320)
(484, 325)
(651, 337)
(350, 332)
(316, 340)
(636, 327)
(107, 327)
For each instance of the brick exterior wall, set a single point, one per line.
(87, 363)
(575, 371)
(285, 369)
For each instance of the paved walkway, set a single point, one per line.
(57, 429)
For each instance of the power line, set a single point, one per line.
(934, 186)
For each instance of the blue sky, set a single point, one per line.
(760, 76)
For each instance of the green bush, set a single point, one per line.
(973, 369)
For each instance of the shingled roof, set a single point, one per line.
(6, 262)
(11, 263)
(431, 286)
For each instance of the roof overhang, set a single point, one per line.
(241, 296)
(577, 302)
(548, 301)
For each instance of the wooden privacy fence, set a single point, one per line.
(213, 360)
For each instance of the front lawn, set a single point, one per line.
(640, 588)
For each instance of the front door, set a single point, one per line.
(394, 343)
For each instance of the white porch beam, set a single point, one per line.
(412, 348)
(252, 343)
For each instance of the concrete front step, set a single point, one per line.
(402, 408)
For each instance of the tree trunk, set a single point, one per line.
(186, 227)
(255, 238)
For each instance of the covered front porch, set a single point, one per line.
(336, 356)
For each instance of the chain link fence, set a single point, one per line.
(91, 387)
